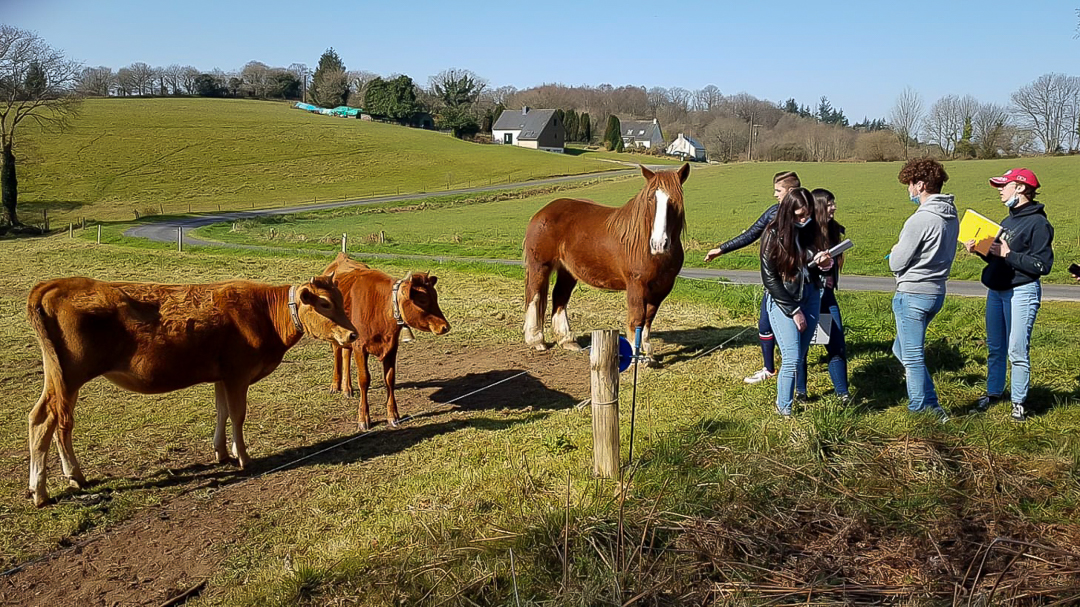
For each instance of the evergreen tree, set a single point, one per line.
(964, 147)
(585, 128)
(613, 132)
(791, 107)
(35, 80)
(619, 145)
(570, 121)
(329, 84)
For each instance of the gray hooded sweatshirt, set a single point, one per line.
(921, 260)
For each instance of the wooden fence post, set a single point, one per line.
(604, 366)
(71, 230)
(99, 234)
(180, 239)
(45, 218)
(344, 242)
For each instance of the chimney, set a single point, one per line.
(654, 121)
(524, 110)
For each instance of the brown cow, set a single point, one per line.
(153, 338)
(382, 309)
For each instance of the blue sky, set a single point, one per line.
(859, 54)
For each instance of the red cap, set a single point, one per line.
(1021, 175)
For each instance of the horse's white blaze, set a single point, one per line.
(534, 333)
(658, 241)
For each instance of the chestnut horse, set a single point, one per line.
(634, 248)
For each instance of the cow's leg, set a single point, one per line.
(646, 346)
(68, 462)
(389, 363)
(237, 397)
(536, 290)
(560, 319)
(346, 372)
(363, 380)
(42, 424)
(221, 445)
(335, 381)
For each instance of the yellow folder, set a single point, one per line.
(980, 229)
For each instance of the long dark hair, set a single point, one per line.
(831, 231)
(791, 242)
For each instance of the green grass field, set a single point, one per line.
(720, 202)
(126, 154)
(583, 151)
(726, 495)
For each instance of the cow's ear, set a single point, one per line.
(646, 173)
(432, 280)
(331, 275)
(684, 172)
(307, 297)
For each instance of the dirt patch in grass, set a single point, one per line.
(168, 549)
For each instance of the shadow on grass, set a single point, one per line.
(514, 392)
(690, 343)
(880, 383)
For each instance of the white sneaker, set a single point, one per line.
(761, 375)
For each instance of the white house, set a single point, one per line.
(641, 133)
(686, 148)
(530, 128)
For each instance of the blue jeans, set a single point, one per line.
(913, 313)
(1010, 315)
(836, 349)
(793, 344)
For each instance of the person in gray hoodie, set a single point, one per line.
(921, 261)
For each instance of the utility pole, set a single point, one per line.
(750, 143)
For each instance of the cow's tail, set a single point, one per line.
(44, 324)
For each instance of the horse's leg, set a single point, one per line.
(646, 346)
(560, 320)
(635, 312)
(536, 288)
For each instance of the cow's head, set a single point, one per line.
(420, 304)
(321, 309)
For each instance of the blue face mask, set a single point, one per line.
(802, 224)
(915, 198)
(1012, 202)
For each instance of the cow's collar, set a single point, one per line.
(395, 309)
(293, 312)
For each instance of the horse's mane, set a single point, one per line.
(631, 223)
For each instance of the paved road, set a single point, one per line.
(165, 231)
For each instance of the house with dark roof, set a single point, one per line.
(641, 133)
(530, 128)
(686, 148)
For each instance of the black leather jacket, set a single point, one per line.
(786, 293)
(752, 233)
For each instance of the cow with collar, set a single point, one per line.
(384, 311)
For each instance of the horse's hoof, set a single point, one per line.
(77, 483)
(394, 422)
(364, 427)
(652, 363)
(541, 347)
(571, 346)
(40, 499)
(334, 390)
(348, 394)
(226, 460)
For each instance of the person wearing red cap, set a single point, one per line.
(1019, 257)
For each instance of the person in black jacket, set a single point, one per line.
(836, 348)
(783, 182)
(1019, 257)
(790, 242)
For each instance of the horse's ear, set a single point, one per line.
(684, 172)
(646, 173)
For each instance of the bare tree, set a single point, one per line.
(944, 124)
(188, 74)
(1046, 107)
(679, 100)
(358, 81)
(989, 127)
(125, 82)
(657, 97)
(142, 78)
(96, 81)
(725, 138)
(254, 78)
(171, 77)
(36, 82)
(906, 117)
(708, 98)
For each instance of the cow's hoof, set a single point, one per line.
(348, 393)
(40, 498)
(651, 362)
(363, 427)
(394, 422)
(334, 390)
(541, 347)
(571, 345)
(77, 483)
(227, 460)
